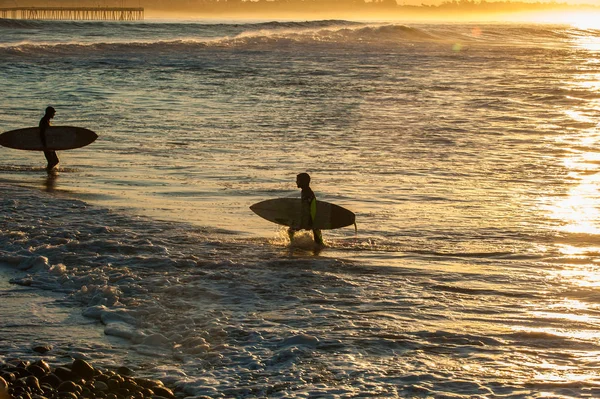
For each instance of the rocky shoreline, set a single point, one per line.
(20, 379)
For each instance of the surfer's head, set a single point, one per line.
(303, 180)
(50, 111)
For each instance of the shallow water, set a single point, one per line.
(467, 152)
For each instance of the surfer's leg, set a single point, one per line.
(318, 237)
(291, 233)
(49, 159)
(53, 161)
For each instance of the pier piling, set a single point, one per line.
(73, 13)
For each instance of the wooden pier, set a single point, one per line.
(73, 13)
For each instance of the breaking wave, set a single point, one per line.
(270, 34)
(159, 37)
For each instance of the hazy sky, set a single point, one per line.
(435, 2)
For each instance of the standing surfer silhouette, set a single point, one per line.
(50, 155)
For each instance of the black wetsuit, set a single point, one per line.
(51, 156)
(309, 212)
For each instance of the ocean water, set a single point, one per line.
(468, 152)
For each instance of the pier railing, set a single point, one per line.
(73, 13)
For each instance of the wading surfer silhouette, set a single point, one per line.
(309, 209)
(51, 156)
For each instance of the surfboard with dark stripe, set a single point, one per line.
(288, 212)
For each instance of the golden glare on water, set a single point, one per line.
(586, 22)
(577, 19)
(587, 276)
(587, 335)
(583, 20)
(575, 320)
(566, 317)
(578, 212)
(589, 43)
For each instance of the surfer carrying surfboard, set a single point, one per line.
(309, 209)
(51, 156)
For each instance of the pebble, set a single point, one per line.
(42, 348)
(78, 380)
(83, 369)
